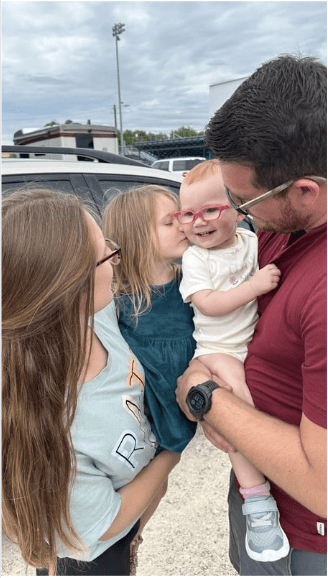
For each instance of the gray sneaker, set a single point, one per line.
(265, 540)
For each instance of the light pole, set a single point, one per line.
(117, 30)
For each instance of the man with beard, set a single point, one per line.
(270, 137)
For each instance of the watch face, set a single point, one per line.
(197, 401)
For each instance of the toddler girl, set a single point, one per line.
(152, 317)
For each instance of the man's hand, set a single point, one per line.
(217, 439)
(196, 373)
(265, 280)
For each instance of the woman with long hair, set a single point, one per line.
(78, 452)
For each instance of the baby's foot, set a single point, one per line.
(265, 539)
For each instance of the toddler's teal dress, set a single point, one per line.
(163, 343)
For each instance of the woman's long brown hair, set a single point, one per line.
(47, 279)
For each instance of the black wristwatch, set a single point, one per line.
(199, 398)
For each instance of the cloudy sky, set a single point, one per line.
(59, 57)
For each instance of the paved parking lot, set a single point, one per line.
(188, 534)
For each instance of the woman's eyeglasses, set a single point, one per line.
(115, 254)
(207, 213)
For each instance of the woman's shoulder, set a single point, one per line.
(105, 318)
(107, 312)
(106, 327)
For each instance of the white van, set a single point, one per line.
(179, 166)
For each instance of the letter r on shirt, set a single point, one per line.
(125, 449)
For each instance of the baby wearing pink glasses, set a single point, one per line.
(221, 280)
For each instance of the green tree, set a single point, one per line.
(184, 132)
(131, 137)
(140, 135)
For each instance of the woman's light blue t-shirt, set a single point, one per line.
(111, 436)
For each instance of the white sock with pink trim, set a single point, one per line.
(262, 490)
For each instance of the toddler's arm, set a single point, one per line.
(216, 303)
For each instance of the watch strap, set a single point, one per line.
(210, 385)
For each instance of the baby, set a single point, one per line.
(221, 280)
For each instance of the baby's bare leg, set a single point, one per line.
(231, 370)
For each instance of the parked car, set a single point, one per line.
(96, 182)
(179, 166)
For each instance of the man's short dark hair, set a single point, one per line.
(275, 122)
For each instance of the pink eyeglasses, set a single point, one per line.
(207, 213)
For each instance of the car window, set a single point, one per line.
(92, 188)
(180, 165)
(17, 182)
(112, 187)
(67, 183)
(191, 163)
(161, 165)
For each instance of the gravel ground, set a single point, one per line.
(188, 534)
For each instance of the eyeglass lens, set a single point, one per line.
(115, 258)
(115, 254)
(233, 204)
(208, 214)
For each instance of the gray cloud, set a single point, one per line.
(59, 59)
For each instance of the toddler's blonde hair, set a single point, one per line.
(129, 220)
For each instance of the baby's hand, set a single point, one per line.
(265, 279)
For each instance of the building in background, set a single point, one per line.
(105, 138)
(71, 135)
(221, 91)
(191, 146)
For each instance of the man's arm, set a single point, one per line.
(216, 303)
(292, 457)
